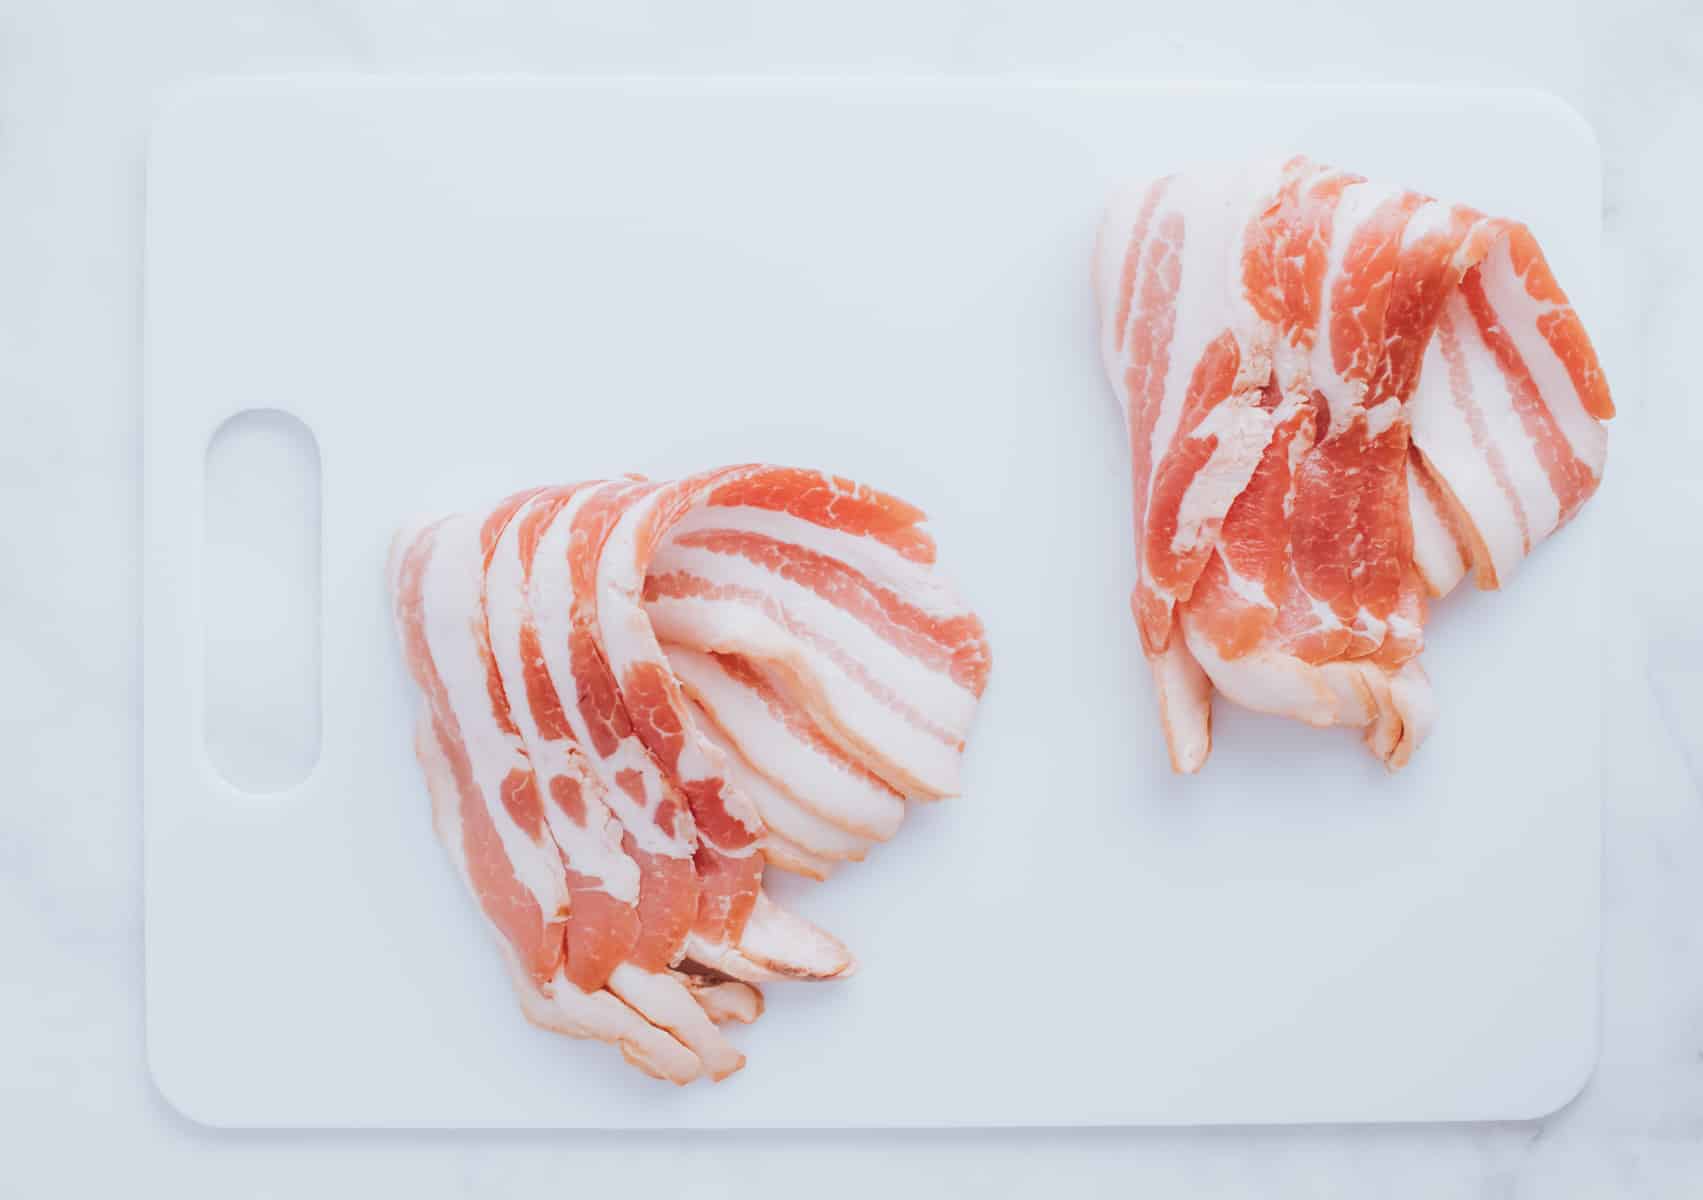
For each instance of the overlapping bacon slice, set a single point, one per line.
(638, 694)
(1341, 398)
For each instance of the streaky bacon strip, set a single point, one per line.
(603, 881)
(556, 1004)
(860, 633)
(729, 829)
(787, 748)
(559, 546)
(953, 644)
(614, 829)
(1390, 392)
(807, 844)
(1441, 551)
(692, 609)
(472, 755)
(659, 833)
(831, 502)
(512, 863)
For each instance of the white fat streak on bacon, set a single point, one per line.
(440, 786)
(1381, 416)
(563, 1008)
(790, 856)
(630, 641)
(784, 945)
(915, 743)
(1373, 627)
(787, 821)
(667, 1003)
(823, 783)
(894, 740)
(925, 687)
(1249, 590)
(558, 1005)
(662, 998)
(1396, 709)
(775, 944)
(1324, 617)
(1431, 217)
(1401, 627)
(781, 945)
(1465, 424)
(920, 585)
(1443, 430)
(1243, 431)
(551, 600)
(1118, 234)
(1266, 356)
(1111, 247)
(1185, 706)
(1519, 314)
(1414, 704)
(1507, 431)
(455, 629)
(725, 1000)
(1436, 554)
(1194, 326)
(592, 848)
(1268, 680)
(1217, 204)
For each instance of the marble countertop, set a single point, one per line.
(78, 80)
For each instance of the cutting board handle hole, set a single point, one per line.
(262, 610)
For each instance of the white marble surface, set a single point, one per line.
(77, 82)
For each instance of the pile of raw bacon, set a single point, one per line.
(639, 694)
(1340, 397)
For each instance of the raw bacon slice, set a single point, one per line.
(826, 800)
(513, 862)
(603, 880)
(794, 838)
(557, 1004)
(1185, 706)
(729, 829)
(725, 1000)
(1439, 553)
(1341, 397)
(612, 820)
(1509, 407)
(557, 541)
(486, 801)
(828, 585)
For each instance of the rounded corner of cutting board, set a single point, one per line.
(179, 1088)
(1564, 1088)
(182, 103)
(1554, 106)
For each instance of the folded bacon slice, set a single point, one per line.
(487, 806)
(553, 553)
(735, 930)
(817, 795)
(1341, 397)
(556, 1004)
(829, 585)
(795, 839)
(611, 821)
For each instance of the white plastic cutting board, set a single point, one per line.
(465, 288)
